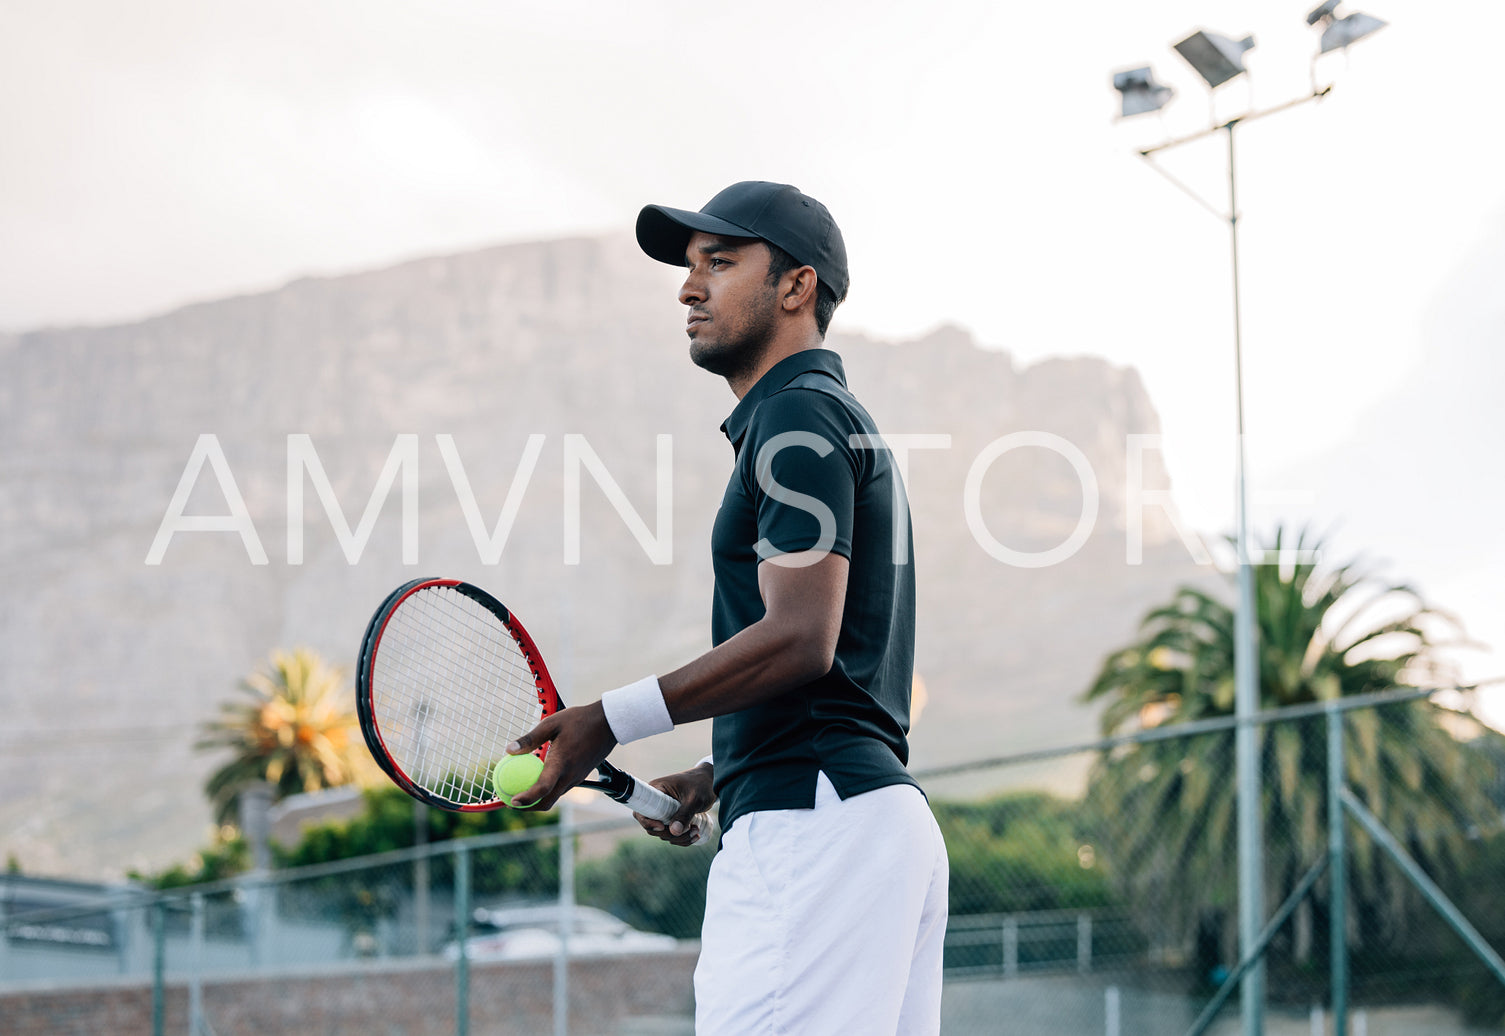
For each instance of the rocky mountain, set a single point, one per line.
(519, 371)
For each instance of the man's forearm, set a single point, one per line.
(792, 644)
(762, 662)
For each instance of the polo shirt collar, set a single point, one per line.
(775, 378)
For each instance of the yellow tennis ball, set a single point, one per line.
(515, 773)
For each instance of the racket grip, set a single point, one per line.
(649, 801)
(642, 797)
(657, 806)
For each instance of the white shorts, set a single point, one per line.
(826, 921)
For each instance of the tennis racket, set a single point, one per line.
(448, 677)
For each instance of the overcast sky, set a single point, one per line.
(179, 151)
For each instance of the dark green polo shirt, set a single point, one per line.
(802, 483)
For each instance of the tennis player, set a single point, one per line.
(826, 908)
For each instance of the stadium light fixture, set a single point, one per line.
(1140, 92)
(1216, 59)
(1338, 33)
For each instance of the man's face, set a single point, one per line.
(732, 305)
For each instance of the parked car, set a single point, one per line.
(531, 932)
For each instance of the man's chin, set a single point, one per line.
(728, 360)
(707, 357)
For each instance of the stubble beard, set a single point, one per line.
(737, 350)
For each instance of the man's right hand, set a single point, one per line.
(693, 790)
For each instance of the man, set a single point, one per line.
(826, 907)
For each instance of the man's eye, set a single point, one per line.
(718, 262)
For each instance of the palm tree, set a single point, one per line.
(1323, 634)
(297, 732)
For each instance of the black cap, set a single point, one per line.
(775, 212)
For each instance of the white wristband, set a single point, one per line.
(708, 761)
(637, 711)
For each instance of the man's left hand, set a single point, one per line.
(580, 739)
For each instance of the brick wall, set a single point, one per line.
(373, 1000)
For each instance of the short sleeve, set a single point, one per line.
(802, 473)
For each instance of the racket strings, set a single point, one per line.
(463, 658)
(497, 663)
(451, 687)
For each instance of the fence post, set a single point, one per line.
(420, 879)
(566, 917)
(250, 892)
(195, 973)
(1011, 946)
(1084, 942)
(159, 964)
(1112, 1021)
(462, 932)
(1337, 869)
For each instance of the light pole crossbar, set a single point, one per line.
(1315, 95)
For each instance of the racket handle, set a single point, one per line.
(644, 798)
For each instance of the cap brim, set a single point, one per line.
(664, 233)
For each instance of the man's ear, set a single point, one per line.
(801, 287)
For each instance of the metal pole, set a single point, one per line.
(1337, 869)
(462, 930)
(566, 917)
(159, 965)
(420, 879)
(195, 976)
(1246, 685)
(566, 905)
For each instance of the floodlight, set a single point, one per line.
(1324, 11)
(1140, 91)
(1216, 59)
(1338, 33)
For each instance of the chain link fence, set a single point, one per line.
(1130, 845)
(1093, 890)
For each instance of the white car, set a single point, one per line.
(531, 932)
